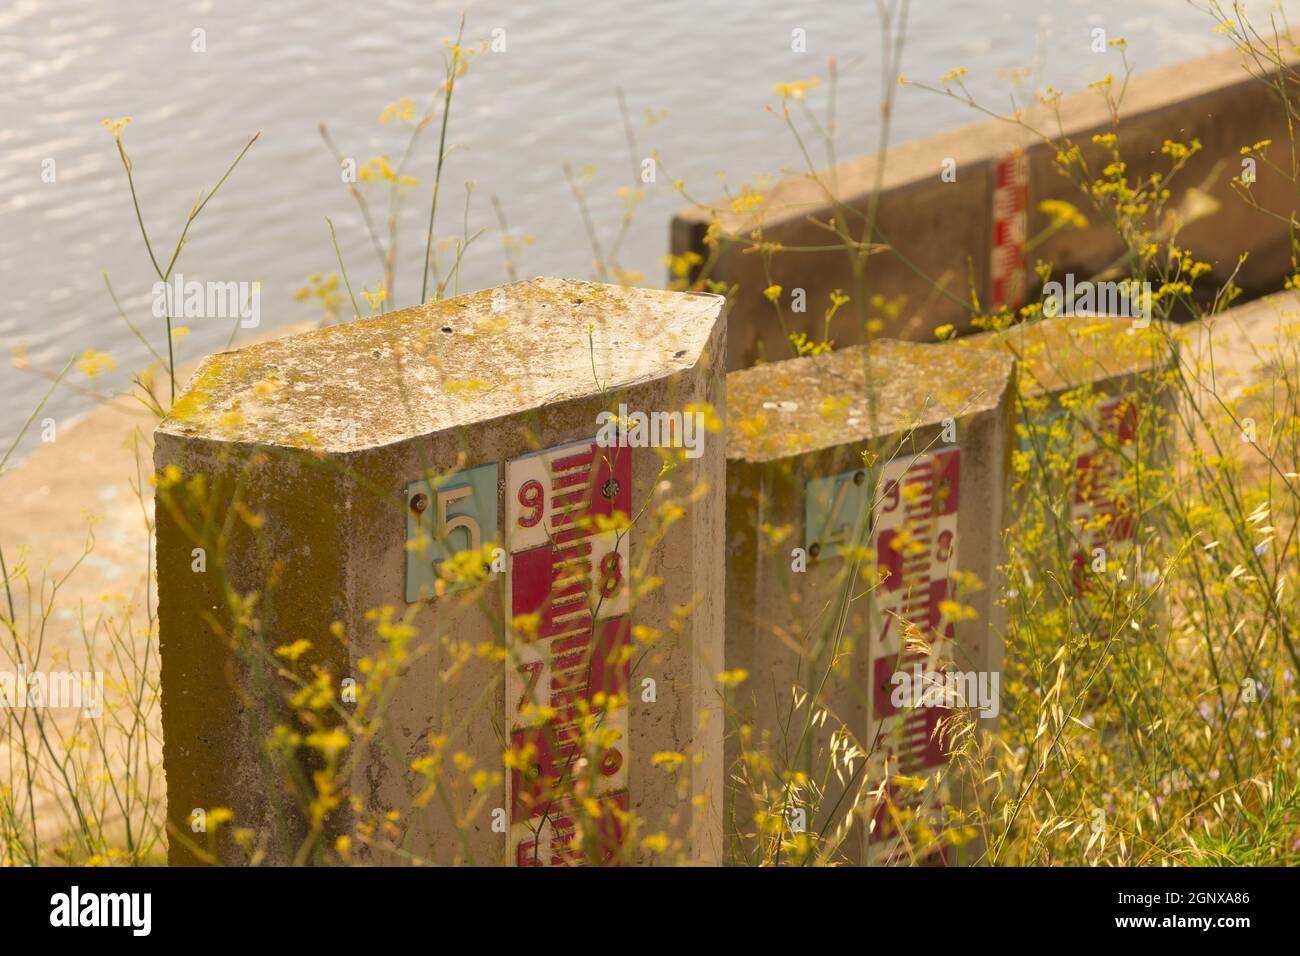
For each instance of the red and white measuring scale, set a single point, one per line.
(914, 537)
(1010, 227)
(573, 575)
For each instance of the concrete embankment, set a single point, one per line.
(954, 239)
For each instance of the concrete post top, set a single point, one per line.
(771, 416)
(474, 358)
(1074, 350)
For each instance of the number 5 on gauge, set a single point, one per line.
(444, 518)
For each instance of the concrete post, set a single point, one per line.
(1095, 390)
(444, 494)
(843, 470)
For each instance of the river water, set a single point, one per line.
(696, 75)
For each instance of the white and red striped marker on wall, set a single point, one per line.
(1010, 226)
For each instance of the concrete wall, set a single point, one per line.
(943, 232)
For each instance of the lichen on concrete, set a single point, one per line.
(801, 405)
(442, 365)
(1070, 351)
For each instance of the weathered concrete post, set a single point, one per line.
(843, 472)
(1096, 390)
(445, 533)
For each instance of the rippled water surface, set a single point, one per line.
(697, 76)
